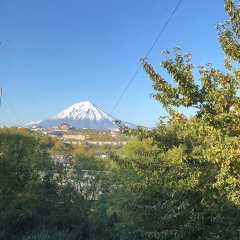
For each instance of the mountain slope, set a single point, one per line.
(83, 115)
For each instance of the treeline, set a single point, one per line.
(161, 187)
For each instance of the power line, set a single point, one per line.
(143, 59)
(119, 99)
(164, 27)
(126, 88)
(12, 109)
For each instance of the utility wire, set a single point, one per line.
(119, 99)
(145, 57)
(164, 27)
(126, 88)
(12, 110)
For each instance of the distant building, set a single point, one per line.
(57, 157)
(76, 136)
(64, 126)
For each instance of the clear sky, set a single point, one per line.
(60, 52)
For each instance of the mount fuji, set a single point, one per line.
(82, 115)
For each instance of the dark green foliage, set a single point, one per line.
(21, 162)
(51, 234)
(35, 192)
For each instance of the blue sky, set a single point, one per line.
(57, 53)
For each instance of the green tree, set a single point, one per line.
(48, 142)
(187, 185)
(61, 147)
(23, 163)
(39, 198)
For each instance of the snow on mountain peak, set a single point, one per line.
(83, 115)
(31, 124)
(83, 110)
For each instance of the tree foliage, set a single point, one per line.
(229, 33)
(40, 199)
(22, 162)
(187, 184)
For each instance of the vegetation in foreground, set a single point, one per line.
(178, 181)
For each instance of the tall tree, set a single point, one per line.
(191, 186)
(40, 197)
(23, 163)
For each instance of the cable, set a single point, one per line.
(12, 110)
(147, 55)
(126, 88)
(164, 28)
(143, 59)
(119, 99)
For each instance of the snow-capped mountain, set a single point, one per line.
(31, 124)
(82, 115)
